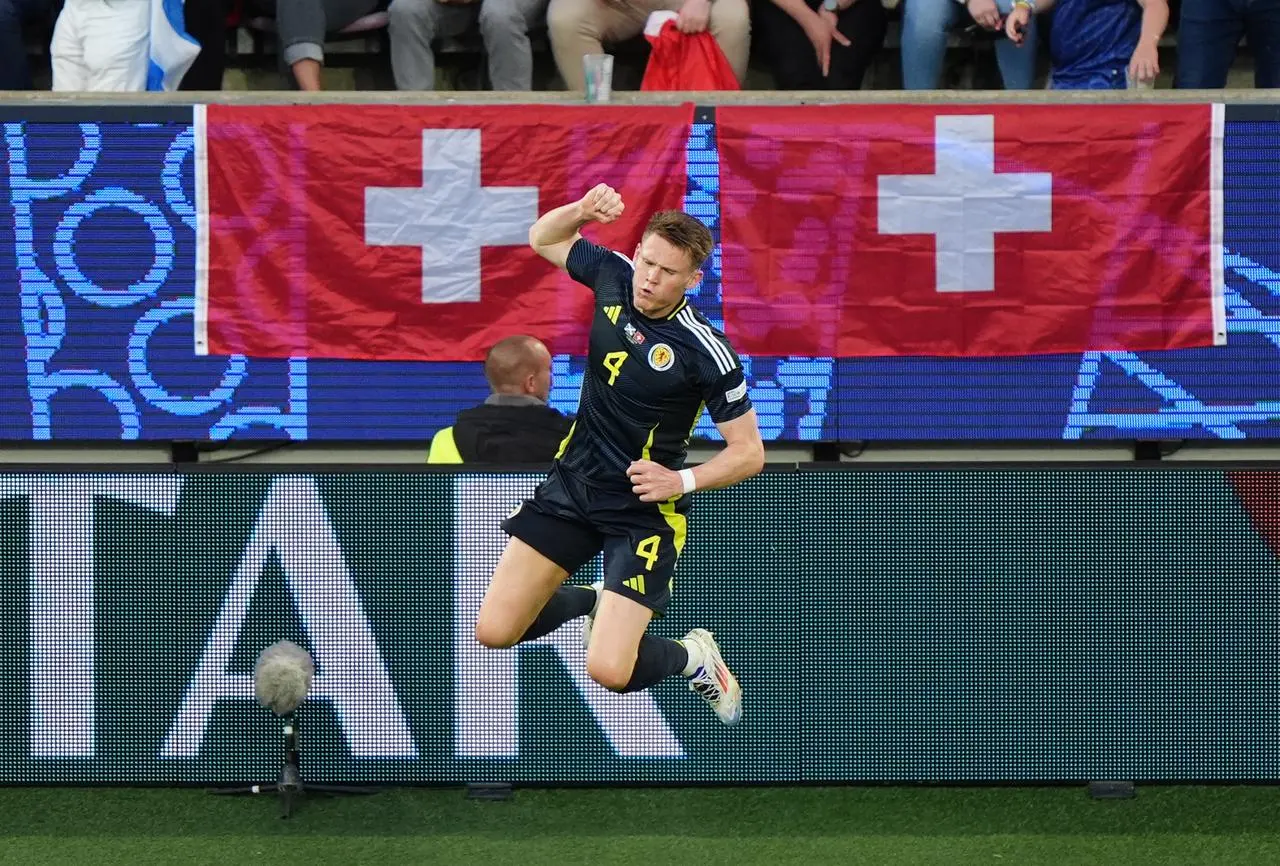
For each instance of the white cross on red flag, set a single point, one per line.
(401, 232)
(863, 230)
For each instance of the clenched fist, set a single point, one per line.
(602, 204)
(653, 482)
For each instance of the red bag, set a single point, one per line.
(684, 61)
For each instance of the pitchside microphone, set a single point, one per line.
(281, 680)
(282, 677)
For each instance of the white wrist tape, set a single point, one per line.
(687, 480)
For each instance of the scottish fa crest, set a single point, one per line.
(661, 357)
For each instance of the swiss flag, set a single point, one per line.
(401, 232)
(859, 230)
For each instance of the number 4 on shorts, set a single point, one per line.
(648, 551)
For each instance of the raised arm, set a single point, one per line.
(556, 231)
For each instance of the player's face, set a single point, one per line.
(663, 274)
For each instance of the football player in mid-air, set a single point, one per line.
(618, 483)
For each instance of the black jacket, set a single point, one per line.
(509, 434)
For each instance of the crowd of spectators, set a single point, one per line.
(124, 45)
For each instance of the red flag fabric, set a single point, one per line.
(683, 61)
(401, 232)
(1259, 492)
(864, 230)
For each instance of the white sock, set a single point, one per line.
(696, 657)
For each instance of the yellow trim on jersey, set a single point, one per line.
(684, 302)
(613, 312)
(697, 416)
(644, 452)
(678, 523)
(564, 443)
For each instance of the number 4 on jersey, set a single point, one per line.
(613, 363)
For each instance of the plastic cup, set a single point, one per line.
(599, 74)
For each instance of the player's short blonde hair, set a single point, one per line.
(683, 232)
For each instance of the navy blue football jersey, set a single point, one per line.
(647, 380)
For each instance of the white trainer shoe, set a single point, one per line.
(713, 681)
(598, 586)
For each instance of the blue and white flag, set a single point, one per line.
(172, 48)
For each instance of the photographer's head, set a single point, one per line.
(519, 365)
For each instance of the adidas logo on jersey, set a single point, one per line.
(613, 312)
(635, 584)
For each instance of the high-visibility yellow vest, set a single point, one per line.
(443, 448)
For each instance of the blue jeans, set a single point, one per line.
(1210, 30)
(15, 74)
(924, 45)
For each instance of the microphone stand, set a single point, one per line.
(289, 784)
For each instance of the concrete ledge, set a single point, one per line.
(743, 97)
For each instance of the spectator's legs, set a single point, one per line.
(117, 47)
(301, 26)
(1264, 41)
(1208, 33)
(66, 50)
(414, 25)
(504, 26)
(15, 72)
(791, 56)
(100, 46)
(731, 27)
(924, 40)
(576, 28)
(794, 62)
(1017, 62)
(206, 21)
(865, 25)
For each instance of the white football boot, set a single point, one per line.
(713, 681)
